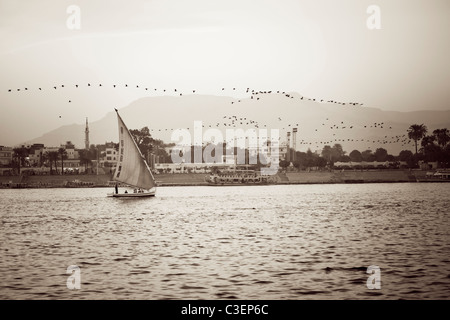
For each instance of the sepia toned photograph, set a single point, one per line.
(224, 151)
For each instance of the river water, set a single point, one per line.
(262, 242)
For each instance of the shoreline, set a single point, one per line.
(197, 179)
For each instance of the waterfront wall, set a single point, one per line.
(190, 179)
(55, 180)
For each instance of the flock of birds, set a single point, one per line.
(233, 121)
(254, 94)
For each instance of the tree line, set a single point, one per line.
(434, 147)
(51, 158)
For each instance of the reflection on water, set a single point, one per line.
(262, 242)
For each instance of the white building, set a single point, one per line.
(6, 154)
(111, 153)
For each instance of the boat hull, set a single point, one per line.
(239, 180)
(433, 180)
(132, 195)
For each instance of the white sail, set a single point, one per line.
(131, 168)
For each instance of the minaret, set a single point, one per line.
(86, 135)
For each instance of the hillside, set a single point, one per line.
(318, 123)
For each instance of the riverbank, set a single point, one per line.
(198, 179)
(312, 177)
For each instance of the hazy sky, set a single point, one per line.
(319, 48)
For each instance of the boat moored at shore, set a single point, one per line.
(239, 177)
(438, 176)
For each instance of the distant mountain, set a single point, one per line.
(318, 123)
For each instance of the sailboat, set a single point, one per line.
(132, 169)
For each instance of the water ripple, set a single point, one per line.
(265, 242)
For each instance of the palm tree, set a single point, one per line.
(84, 159)
(41, 158)
(427, 141)
(44, 157)
(54, 157)
(63, 155)
(417, 132)
(20, 154)
(442, 136)
(51, 156)
(327, 152)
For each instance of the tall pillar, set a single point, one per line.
(294, 143)
(288, 151)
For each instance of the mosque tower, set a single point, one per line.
(86, 135)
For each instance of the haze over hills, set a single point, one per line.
(318, 123)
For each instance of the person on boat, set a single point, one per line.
(126, 191)
(134, 191)
(117, 189)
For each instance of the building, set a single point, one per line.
(283, 151)
(50, 149)
(432, 165)
(71, 152)
(72, 166)
(229, 159)
(35, 154)
(111, 152)
(110, 155)
(188, 167)
(6, 155)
